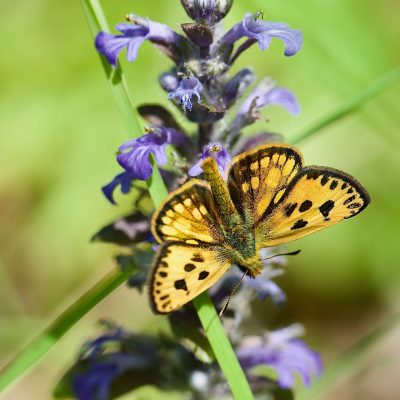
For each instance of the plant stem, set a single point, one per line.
(67, 319)
(375, 89)
(97, 22)
(222, 348)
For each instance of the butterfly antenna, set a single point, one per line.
(292, 253)
(222, 312)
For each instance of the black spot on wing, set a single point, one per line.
(313, 175)
(166, 304)
(349, 200)
(301, 223)
(180, 284)
(305, 205)
(203, 275)
(324, 180)
(189, 267)
(289, 209)
(326, 208)
(354, 205)
(163, 274)
(333, 185)
(197, 257)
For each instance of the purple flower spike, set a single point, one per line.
(217, 151)
(133, 34)
(124, 180)
(136, 159)
(188, 87)
(267, 93)
(263, 32)
(285, 354)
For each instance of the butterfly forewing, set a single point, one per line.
(188, 215)
(318, 197)
(182, 272)
(258, 178)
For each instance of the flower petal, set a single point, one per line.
(111, 46)
(218, 152)
(124, 180)
(263, 32)
(268, 93)
(280, 351)
(188, 87)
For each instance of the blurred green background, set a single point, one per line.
(60, 128)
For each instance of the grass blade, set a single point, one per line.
(65, 321)
(382, 84)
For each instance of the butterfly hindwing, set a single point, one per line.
(188, 215)
(258, 178)
(316, 198)
(181, 272)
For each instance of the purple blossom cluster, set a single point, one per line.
(200, 87)
(120, 358)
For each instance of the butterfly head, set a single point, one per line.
(253, 265)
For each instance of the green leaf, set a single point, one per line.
(126, 231)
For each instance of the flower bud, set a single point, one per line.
(207, 12)
(169, 81)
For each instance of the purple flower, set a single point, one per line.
(263, 32)
(268, 93)
(133, 34)
(136, 161)
(285, 354)
(188, 87)
(134, 154)
(138, 359)
(95, 383)
(237, 85)
(218, 152)
(124, 180)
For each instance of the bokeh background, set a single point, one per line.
(60, 128)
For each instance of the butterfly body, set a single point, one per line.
(240, 242)
(267, 198)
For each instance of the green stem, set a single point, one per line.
(376, 88)
(98, 22)
(65, 321)
(222, 348)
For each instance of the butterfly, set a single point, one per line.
(266, 199)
